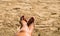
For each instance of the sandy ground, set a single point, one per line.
(46, 13)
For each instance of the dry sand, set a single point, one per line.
(46, 13)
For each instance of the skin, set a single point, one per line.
(27, 27)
